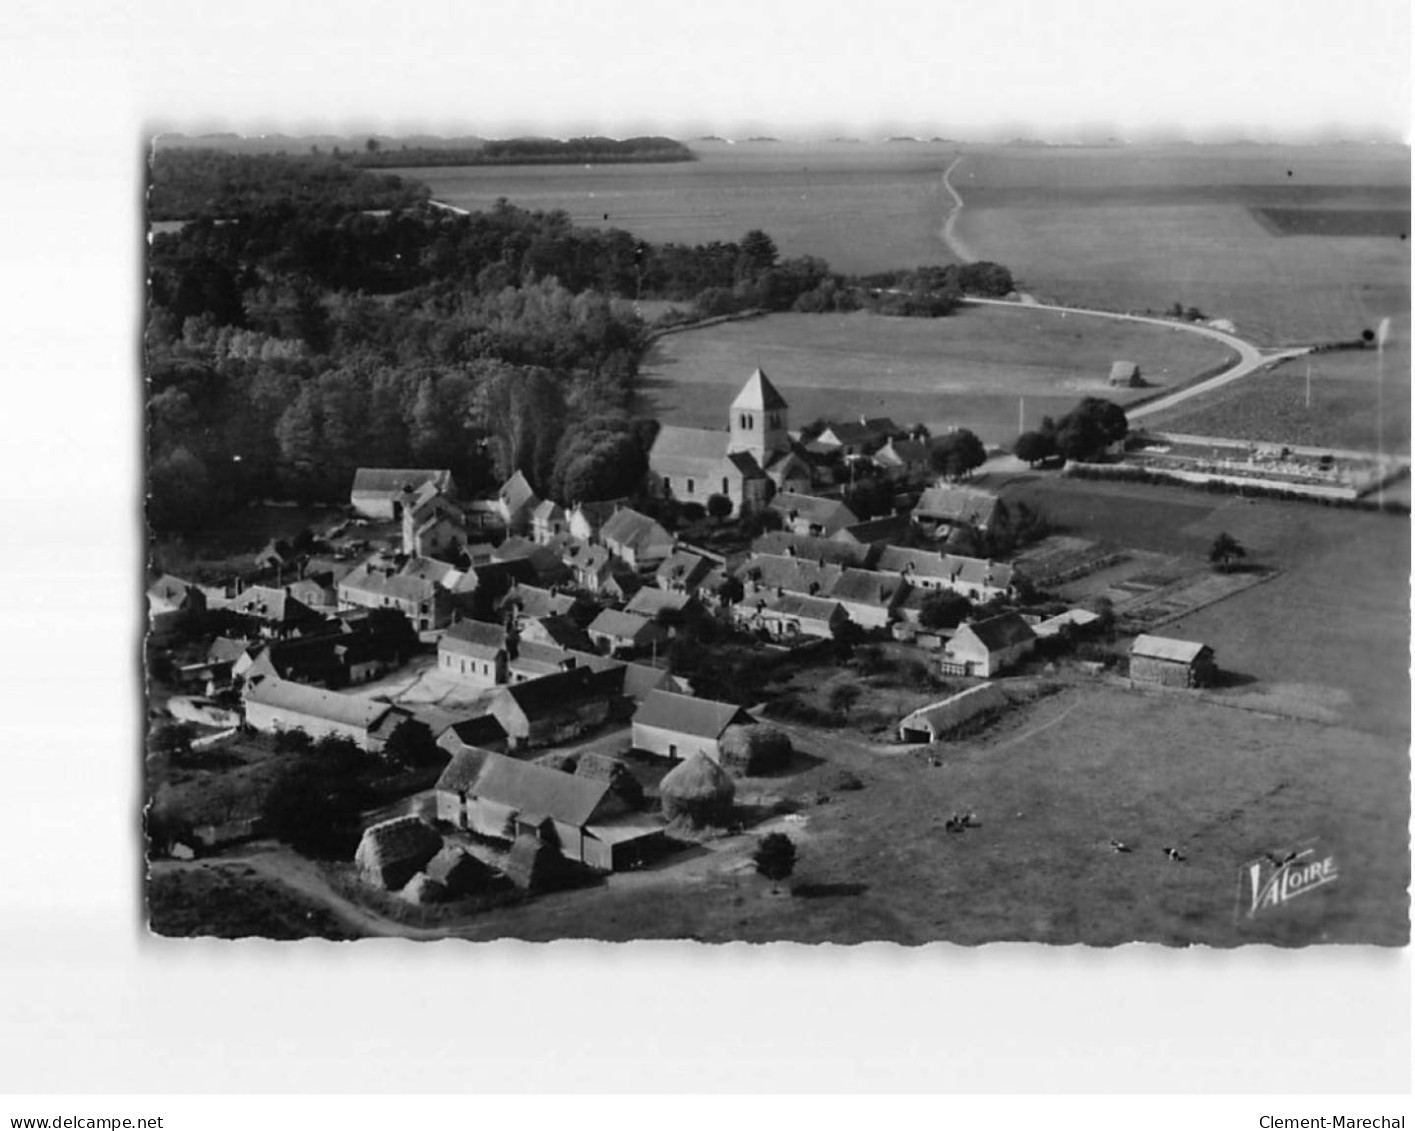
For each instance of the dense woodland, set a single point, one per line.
(529, 151)
(330, 318)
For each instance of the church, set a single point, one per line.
(748, 463)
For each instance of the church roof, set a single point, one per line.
(759, 393)
(688, 451)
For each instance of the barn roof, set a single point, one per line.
(799, 605)
(999, 632)
(706, 718)
(1167, 648)
(952, 503)
(630, 528)
(392, 480)
(814, 508)
(538, 791)
(349, 710)
(548, 694)
(462, 770)
(784, 543)
(759, 394)
(649, 602)
(866, 587)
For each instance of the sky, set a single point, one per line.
(82, 82)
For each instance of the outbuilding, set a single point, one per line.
(677, 726)
(1172, 663)
(988, 646)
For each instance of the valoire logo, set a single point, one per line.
(1273, 881)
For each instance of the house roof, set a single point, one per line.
(902, 452)
(999, 632)
(274, 605)
(473, 638)
(169, 588)
(951, 503)
(1123, 370)
(799, 605)
(784, 543)
(349, 710)
(430, 569)
(867, 587)
(517, 492)
(705, 718)
(483, 730)
(759, 394)
(539, 791)
(401, 587)
(622, 625)
(954, 568)
(1077, 617)
(793, 575)
(392, 480)
(649, 602)
(462, 770)
(549, 511)
(683, 567)
(559, 630)
(1167, 648)
(630, 528)
(814, 508)
(551, 693)
(875, 530)
(595, 513)
(534, 601)
(226, 650)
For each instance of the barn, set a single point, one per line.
(1169, 662)
(1126, 374)
(987, 647)
(677, 726)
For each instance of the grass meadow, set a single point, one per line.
(967, 369)
(1273, 406)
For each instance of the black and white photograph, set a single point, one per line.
(905, 481)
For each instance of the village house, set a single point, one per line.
(555, 708)
(636, 539)
(743, 463)
(426, 604)
(549, 522)
(811, 514)
(279, 614)
(482, 732)
(584, 818)
(474, 652)
(595, 570)
(978, 579)
(562, 632)
(273, 704)
(855, 437)
(433, 522)
(683, 571)
(668, 607)
(869, 597)
(946, 508)
(314, 594)
(877, 531)
(1172, 663)
(768, 575)
(515, 503)
(170, 595)
(587, 519)
(679, 726)
(783, 543)
(985, 648)
(479, 591)
(793, 617)
(618, 633)
(378, 491)
(902, 459)
(545, 561)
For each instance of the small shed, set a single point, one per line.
(1172, 663)
(1126, 374)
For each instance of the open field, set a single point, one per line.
(1331, 630)
(862, 208)
(1145, 227)
(967, 369)
(1050, 786)
(1272, 405)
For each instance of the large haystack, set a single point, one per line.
(459, 872)
(422, 889)
(755, 749)
(621, 779)
(392, 852)
(532, 864)
(698, 789)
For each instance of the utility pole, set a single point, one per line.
(1381, 334)
(1021, 415)
(1309, 384)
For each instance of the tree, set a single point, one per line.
(1090, 427)
(719, 507)
(173, 740)
(944, 609)
(1225, 550)
(1033, 447)
(957, 453)
(775, 856)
